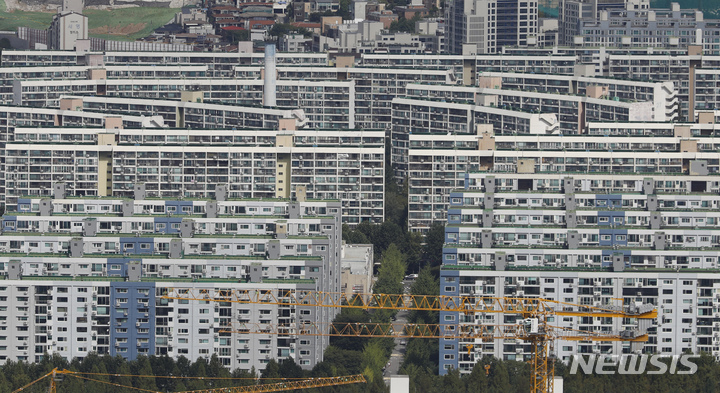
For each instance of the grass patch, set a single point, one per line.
(150, 17)
(13, 20)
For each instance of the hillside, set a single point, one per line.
(125, 24)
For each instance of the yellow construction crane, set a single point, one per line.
(533, 311)
(414, 330)
(56, 376)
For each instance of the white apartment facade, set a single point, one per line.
(319, 164)
(105, 295)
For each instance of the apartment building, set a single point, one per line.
(672, 27)
(437, 133)
(489, 25)
(9, 74)
(434, 143)
(327, 104)
(593, 101)
(685, 300)
(625, 89)
(317, 164)
(219, 64)
(437, 164)
(189, 112)
(423, 116)
(640, 227)
(123, 254)
(571, 12)
(467, 67)
(324, 91)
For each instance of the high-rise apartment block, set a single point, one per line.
(86, 275)
(608, 218)
(309, 164)
(672, 27)
(571, 12)
(489, 25)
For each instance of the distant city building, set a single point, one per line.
(489, 25)
(672, 27)
(66, 29)
(357, 268)
(295, 43)
(571, 12)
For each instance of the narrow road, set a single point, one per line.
(398, 354)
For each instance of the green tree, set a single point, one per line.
(498, 380)
(373, 360)
(350, 315)
(425, 284)
(396, 196)
(404, 25)
(271, 374)
(290, 369)
(4, 384)
(339, 361)
(451, 381)
(432, 252)
(235, 36)
(141, 366)
(16, 374)
(413, 251)
(391, 272)
(216, 370)
(247, 377)
(122, 367)
(477, 381)
(421, 354)
(197, 370)
(353, 237)
(92, 386)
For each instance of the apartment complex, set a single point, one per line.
(174, 163)
(628, 211)
(121, 255)
(441, 132)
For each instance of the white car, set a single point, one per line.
(411, 276)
